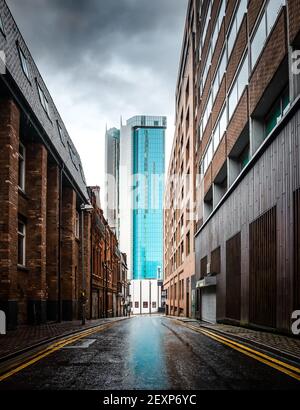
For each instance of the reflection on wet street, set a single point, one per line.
(148, 352)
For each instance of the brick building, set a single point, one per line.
(45, 233)
(108, 268)
(179, 226)
(246, 95)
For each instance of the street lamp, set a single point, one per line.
(84, 208)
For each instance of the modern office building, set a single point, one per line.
(142, 166)
(112, 165)
(180, 195)
(247, 116)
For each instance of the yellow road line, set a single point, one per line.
(53, 348)
(263, 358)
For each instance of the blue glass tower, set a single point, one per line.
(148, 163)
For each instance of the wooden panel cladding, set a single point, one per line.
(203, 272)
(263, 270)
(216, 261)
(297, 249)
(233, 278)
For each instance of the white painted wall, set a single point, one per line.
(140, 293)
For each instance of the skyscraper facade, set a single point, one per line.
(112, 165)
(142, 166)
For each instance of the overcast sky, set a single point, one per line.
(103, 59)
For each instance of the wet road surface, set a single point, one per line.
(152, 353)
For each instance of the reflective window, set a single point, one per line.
(238, 87)
(235, 25)
(24, 62)
(207, 19)
(1, 24)
(264, 28)
(278, 111)
(43, 100)
(219, 76)
(218, 24)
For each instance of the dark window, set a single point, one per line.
(1, 25)
(43, 100)
(21, 243)
(145, 305)
(61, 133)
(22, 167)
(24, 62)
(277, 112)
(188, 243)
(153, 305)
(136, 305)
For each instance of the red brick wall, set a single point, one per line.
(238, 121)
(273, 55)
(237, 53)
(9, 148)
(53, 182)
(294, 19)
(219, 158)
(36, 190)
(254, 8)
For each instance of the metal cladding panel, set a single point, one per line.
(296, 284)
(233, 278)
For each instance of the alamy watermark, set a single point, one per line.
(2, 323)
(296, 323)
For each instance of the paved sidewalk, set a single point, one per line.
(26, 336)
(277, 343)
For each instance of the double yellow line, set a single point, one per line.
(53, 348)
(279, 365)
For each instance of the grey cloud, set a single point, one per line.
(106, 57)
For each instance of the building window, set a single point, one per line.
(72, 155)
(1, 25)
(43, 100)
(188, 243)
(207, 20)
(278, 111)
(235, 26)
(145, 305)
(22, 167)
(24, 62)
(153, 305)
(264, 28)
(219, 76)
(207, 158)
(21, 243)
(219, 21)
(220, 129)
(136, 305)
(61, 133)
(77, 225)
(238, 87)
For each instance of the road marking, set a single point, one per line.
(85, 344)
(270, 361)
(54, 348)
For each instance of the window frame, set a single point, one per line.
(2, 25)
(43, 99)
(24, 62)
(22, 235)
(77, 225)
(22, 166)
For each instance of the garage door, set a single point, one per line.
(208, 304)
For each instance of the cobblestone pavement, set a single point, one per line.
(285, 344)
(27, 336)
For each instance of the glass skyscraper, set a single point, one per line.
(148, 169)
(142, 168)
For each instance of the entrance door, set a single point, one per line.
(208, 304)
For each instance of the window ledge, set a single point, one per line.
(22, 268)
